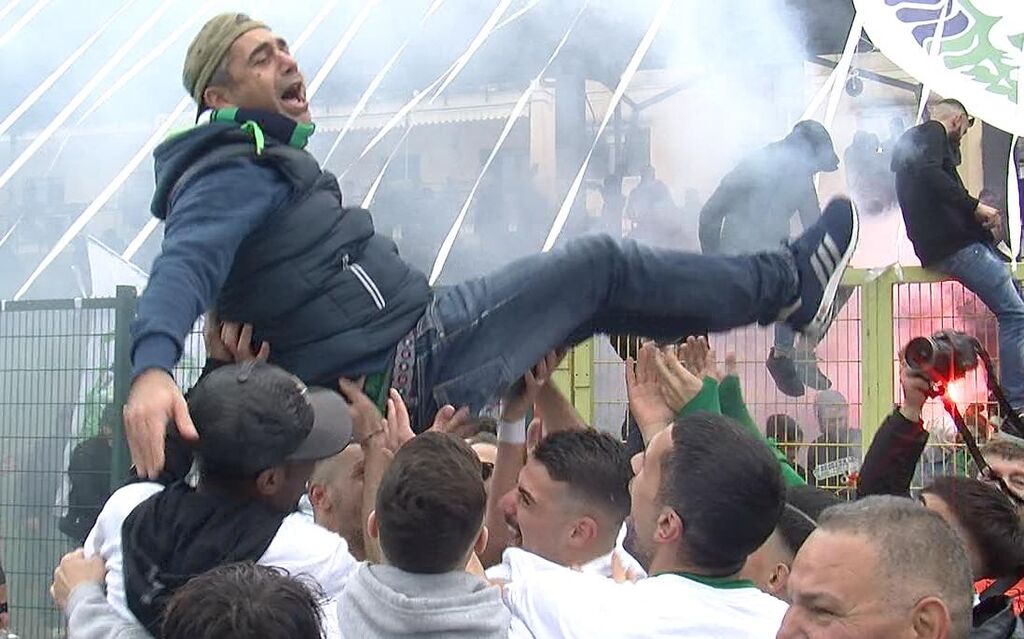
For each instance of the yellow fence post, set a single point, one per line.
(877, 353)
(582, 380)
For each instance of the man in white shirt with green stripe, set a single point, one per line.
(706, 494)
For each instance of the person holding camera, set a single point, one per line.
(954, 233)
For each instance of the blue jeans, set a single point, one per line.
(478, 338)
(979, 269)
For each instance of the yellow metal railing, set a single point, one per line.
(860, 354)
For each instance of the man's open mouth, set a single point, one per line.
(294, 97)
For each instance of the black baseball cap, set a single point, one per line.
(254, 416)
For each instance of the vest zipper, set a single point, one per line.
(364, 278)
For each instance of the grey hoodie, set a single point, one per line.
(91, 617)
(383, 601)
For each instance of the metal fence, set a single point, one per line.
(64, 375)
(860, 355)
(62, 362)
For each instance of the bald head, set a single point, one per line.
(336, 493)
(919, 555)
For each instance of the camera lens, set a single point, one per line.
(920, 353)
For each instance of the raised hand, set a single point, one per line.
(516, 403)
(449, 420)
(73, 571)
(366, 419)
(916, 391)
(231, 341)
(397, 425)
(153, 402)
(677, 384)
(237, 338)
(647, 404)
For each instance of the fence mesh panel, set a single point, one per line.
(56, 376)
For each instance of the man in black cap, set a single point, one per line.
(257, 229)
(261, 430)
(751, 211)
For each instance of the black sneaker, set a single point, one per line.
(822, 254)
(783, 371)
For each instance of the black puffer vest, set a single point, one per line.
(330, 295)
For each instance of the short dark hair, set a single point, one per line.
(804, 505)
(919, 555)
(244, 601)
(595, 465)
(726, 486)
(953, 103)
(430, 505)
(783, 429)
(988, 518)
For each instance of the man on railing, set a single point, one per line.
(953, 232)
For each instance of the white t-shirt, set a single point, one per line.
(300, 546)
(573, 604)
(517, 563)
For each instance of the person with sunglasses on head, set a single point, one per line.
(954, 233)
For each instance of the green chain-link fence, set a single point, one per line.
(64, 375)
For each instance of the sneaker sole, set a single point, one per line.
(821, 317)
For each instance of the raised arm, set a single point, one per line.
(889, 464)
(207, 222)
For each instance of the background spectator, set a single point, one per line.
(880, 567)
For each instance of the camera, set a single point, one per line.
(943, 357)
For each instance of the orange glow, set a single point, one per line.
(960, 391)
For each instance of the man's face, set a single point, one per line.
(264, 76)
(1011, 471)
(960, 124)
(293, 485)
(646, 507)
(540, 511)
(835, 593)
(341, 509)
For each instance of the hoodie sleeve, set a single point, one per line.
(207, 222)
(889, 465)
(91, 617)
(731, 397)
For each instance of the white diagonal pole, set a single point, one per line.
(8, 8)
(620, 90)
(104, 196)
(49, 81)
(143, 62)
(474, 46)
(43, 136)
(339, 49)
(517, 110)
(23, 20)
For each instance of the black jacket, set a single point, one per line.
(330, 295)
(937, 209)
(751, 208)
(889, 465)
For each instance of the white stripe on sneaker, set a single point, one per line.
(820, 272)
(826, 260)
(830, 244)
